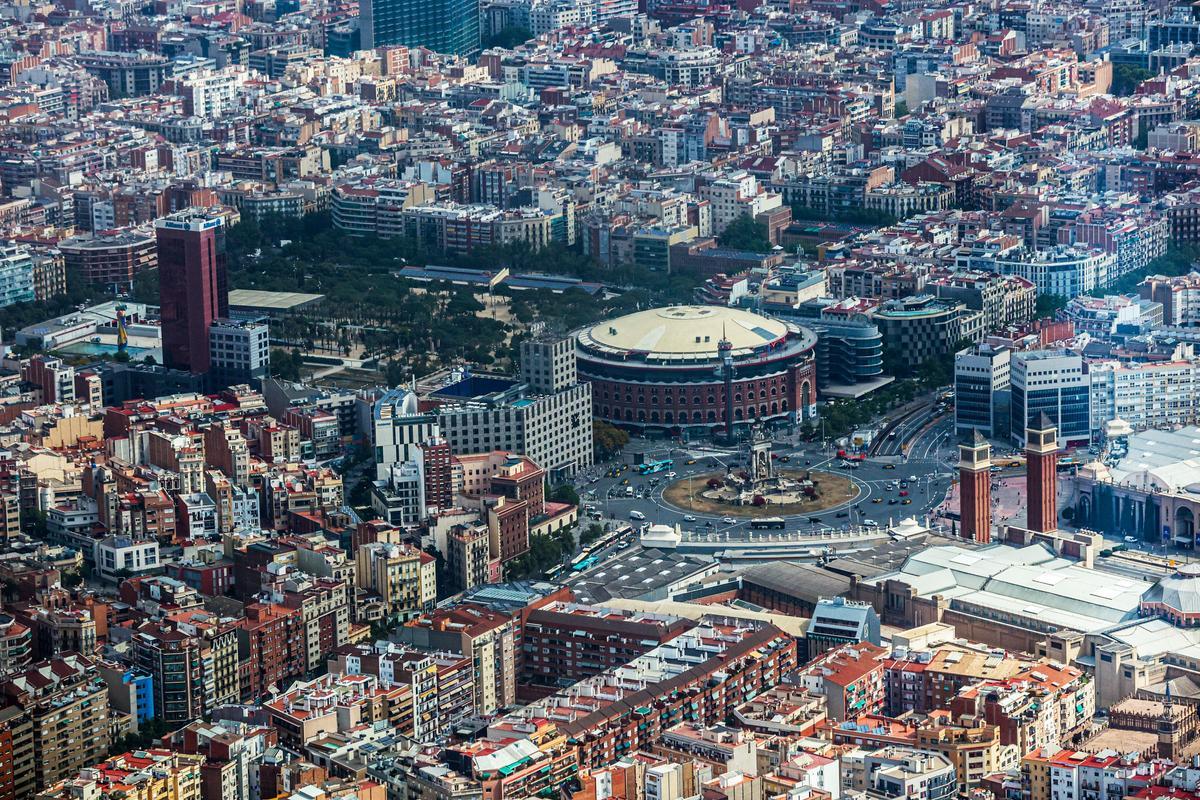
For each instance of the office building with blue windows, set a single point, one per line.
(1053, 382)
(444, 26)
(981, 390)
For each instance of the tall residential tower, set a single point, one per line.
(193, 288)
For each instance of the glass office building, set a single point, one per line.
(444, 26)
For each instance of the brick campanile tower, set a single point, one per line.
(975, 488)
(1041, 471)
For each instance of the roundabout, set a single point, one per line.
(700, 494)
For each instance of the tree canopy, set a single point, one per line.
(607, 439)
(1126, 78)
(745, 234)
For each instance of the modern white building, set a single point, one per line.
(121, 555)
(547, 417)
(374, 206)
(735, 195)
(245, 508)
(70, 523)
(664, 782)
(398, 429)
(199, 511)
(210, 93)
(896, 771)
(1154, 395)
(1179, 296)
(239, 351)
(16, 275)
(399, 498)
(550, 16)
(1105, 316)
(1065, 271)
(1053, 382)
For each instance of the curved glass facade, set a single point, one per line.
(847, 352)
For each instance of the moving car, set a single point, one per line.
(889, 466)
(876, 499)
(906, 501)
(729, 520)
(688, 518)
(636, 515)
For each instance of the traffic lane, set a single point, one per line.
(930, 444)
(905, 430)
(924, 494)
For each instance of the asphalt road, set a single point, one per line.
(930, 479)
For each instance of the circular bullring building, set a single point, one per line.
(683, 366)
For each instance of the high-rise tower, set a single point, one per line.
(444, 26)
(193, 290)
(1041, 471)
(975, 496)
(725, 353)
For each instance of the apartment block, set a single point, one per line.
(441, 686)
(155, 774)
(695, 677)
(487, 637)
(65, 701)
(404, 577)
(566, 642)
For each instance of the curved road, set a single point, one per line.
(930, 478)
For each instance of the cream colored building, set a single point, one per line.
(404, 576)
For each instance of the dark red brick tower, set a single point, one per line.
(975, 503)
(193, 290)
(1041, 470)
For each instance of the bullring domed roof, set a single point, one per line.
(687, 331)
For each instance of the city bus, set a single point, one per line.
(586, 563)
(767, 523)
(651, 467)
